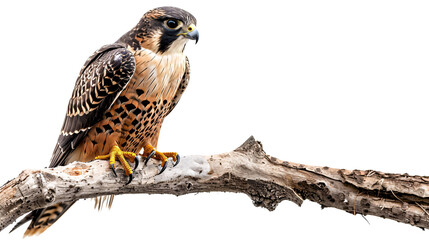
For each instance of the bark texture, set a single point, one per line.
(248, 169)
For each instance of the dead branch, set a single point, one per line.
(248, 169)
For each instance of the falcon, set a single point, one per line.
(120, 99)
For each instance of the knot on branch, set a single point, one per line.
(268, 195)
(49, 195)
(45, 181)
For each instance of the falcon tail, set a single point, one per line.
(42, 219)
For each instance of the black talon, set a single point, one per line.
(113, 169)
(149, 157)
(137, 161)
(177, 160)
(130, 179)
(163, 168)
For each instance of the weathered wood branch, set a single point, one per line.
(248, 169)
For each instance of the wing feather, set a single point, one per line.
(102, 78)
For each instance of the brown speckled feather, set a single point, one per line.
(102, 78)
(135, 118)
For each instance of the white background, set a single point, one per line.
(329, 83)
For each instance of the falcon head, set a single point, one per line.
(163, 30)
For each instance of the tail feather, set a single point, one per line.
(42, 219)
(105, 200)
(25, 219)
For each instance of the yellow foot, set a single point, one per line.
(117, 152)
(150, 152)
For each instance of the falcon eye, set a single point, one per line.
(172, 24)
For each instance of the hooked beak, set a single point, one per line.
(191, 33)
(194, 35)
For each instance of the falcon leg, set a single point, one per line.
(116, 152)
(150, 152)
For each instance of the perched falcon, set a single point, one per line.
(121, 97)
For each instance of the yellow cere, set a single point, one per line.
(189, 29)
